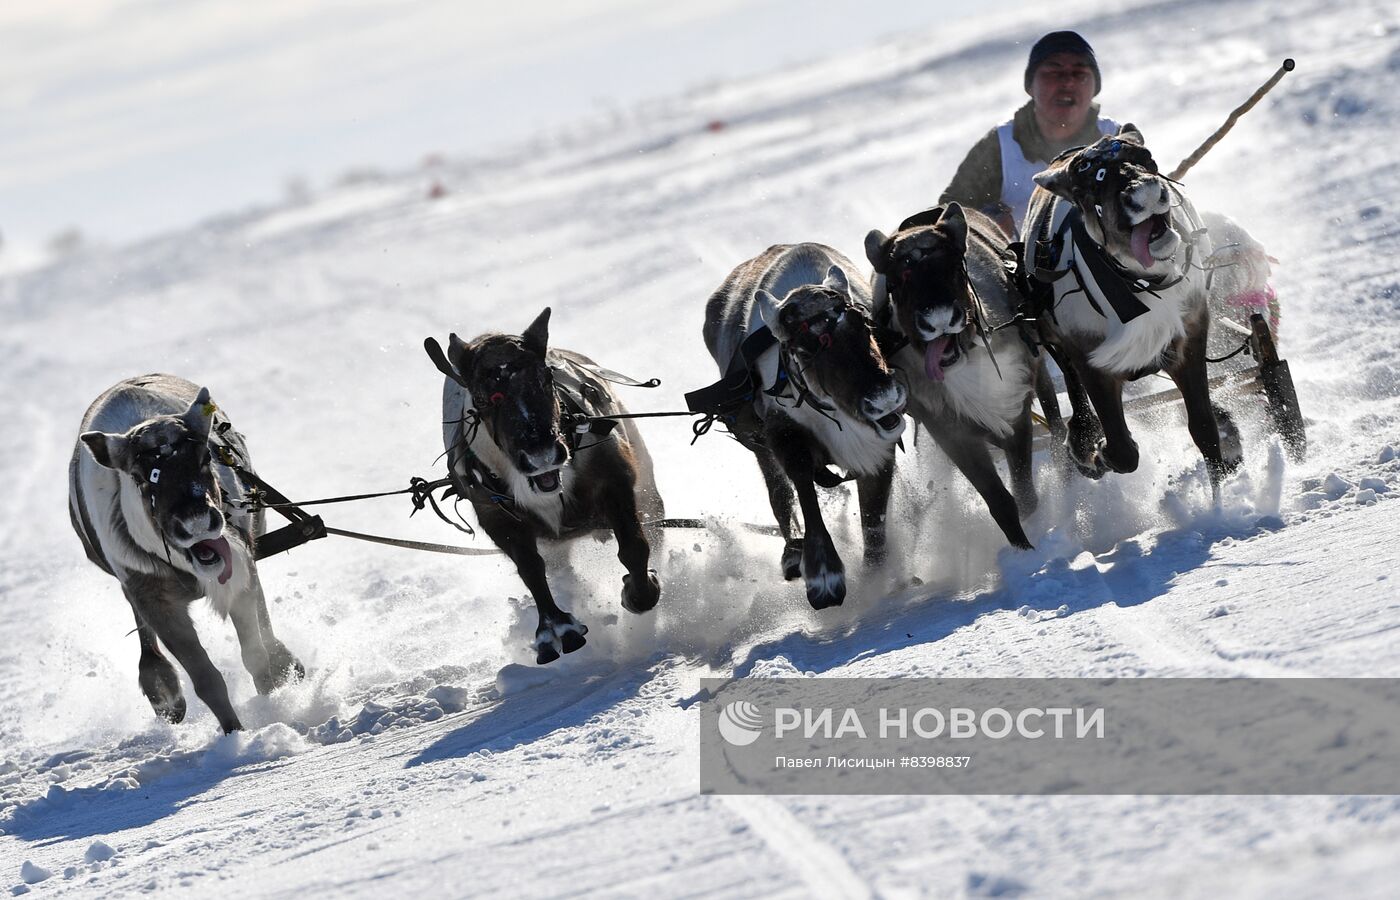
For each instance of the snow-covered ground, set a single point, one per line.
(425, 754)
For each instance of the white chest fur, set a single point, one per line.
(1132, 346)
(973, 389)
(547, 508)
(852, 444)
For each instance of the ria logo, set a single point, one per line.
(740, 723)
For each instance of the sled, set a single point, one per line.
(1269, 380)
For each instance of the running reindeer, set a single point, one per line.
(831, 397)
(970, 386)
(1120, 248)
(158, 512)
(512, 412)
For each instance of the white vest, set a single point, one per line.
(1017, 172)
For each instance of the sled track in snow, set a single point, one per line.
(822, 867)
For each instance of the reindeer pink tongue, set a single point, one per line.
(1141, 242)
(220, 546)
(933, 356)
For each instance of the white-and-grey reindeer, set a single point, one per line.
(824, 395)
(150, 503)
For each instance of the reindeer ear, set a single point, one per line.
(537, 335)
(954, 224)
(200, 414)
(1056, 181)
(459, 354)
(108, 449)
(875, 249)
(767, 309)
(836, 281)
(1131, 134)
(454, 362)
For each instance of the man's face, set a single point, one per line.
(1061, 88)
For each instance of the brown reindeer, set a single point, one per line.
(512, 407)
(969, 386)
(827, 398)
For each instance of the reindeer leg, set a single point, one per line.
(1117, 451)
(1018, 460)
(822, 568)
(780, 497)
(558, 632)
(158, 678)
(170, 619)
(1084, 433)
(1049, 401)
(873, 492)
(974, 460)
(264, 656)
(1192, 380)
(250, 644)
(641, 589)
(282, 665)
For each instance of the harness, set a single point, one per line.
(1058, 244)
(731, 399)
(575, 391)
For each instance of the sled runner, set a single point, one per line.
(1269, 380)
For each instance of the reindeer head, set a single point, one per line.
(512, 389)
(1125, 203)
(168, 459)
(926, 276)
(830, 339)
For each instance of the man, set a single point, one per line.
(1062, 78)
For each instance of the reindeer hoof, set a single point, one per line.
(1231, 446)
(287, 670)
(172, 711)
(825, 587)
(792, 560)
(562, 635)
(1123, 460)
(1089, 464)
(1092, 472)
(640, 596)
(161, 686)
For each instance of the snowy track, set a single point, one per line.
(423, 757)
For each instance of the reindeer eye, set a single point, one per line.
(1083, 166)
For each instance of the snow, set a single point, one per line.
(426, 754)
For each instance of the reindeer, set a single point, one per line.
(155, 510)
(969, 387)
(1122, 247)
(512, 412)
(825, 396)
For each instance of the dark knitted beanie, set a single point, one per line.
(1062, 42)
